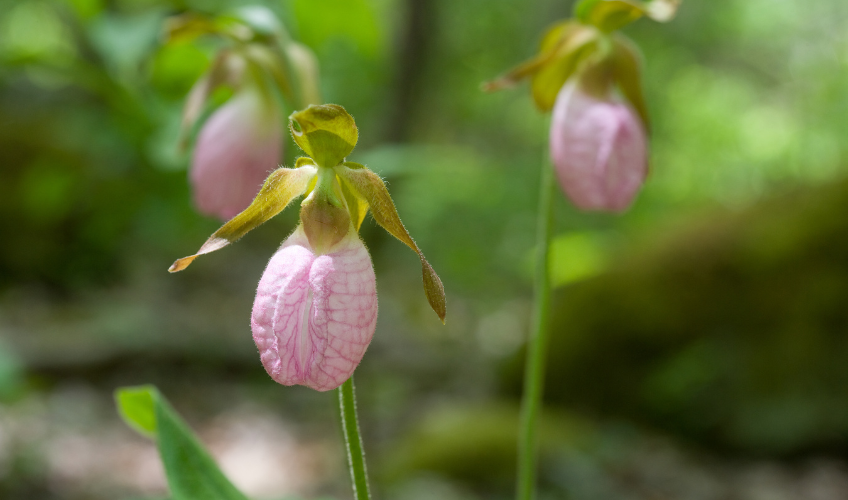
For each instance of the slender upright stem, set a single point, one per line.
(353, 442)
(534, 371)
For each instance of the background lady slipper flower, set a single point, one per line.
(241, 142)
(598, 142)
(236, 149)
(598, 148)
(316, 305)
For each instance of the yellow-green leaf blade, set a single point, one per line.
(281, 187)
(192, 473)
(136, 406)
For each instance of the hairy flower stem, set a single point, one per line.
(355, 453)
(537, 348)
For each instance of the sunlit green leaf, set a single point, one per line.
(577, 256)
(192, 473)
(137, 406)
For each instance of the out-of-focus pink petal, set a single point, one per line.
(599, 150)
(314, 315)
(238, 146)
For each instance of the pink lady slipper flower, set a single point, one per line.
(598, 148)
(598, 141)
(316, 305)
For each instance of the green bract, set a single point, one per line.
(338, 195)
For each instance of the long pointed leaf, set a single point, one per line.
(192, 473)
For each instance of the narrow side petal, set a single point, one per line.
(314, 316)
(281, 187)
(371, 187)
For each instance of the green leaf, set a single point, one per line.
(281, 187)
(610, 15)
(137, 407)
(192, 473)
(371, 187)
(326, 132)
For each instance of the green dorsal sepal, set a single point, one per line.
(325, 132)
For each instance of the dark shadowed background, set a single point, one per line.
(699, 346)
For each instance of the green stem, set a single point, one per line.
(353, 442)
(534, 371)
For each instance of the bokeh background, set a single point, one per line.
(699, 345)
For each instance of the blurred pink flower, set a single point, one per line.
(599, 150)
(314, 315)
(236, 149)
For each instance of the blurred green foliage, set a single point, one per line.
(735, 334)
(712, 310)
